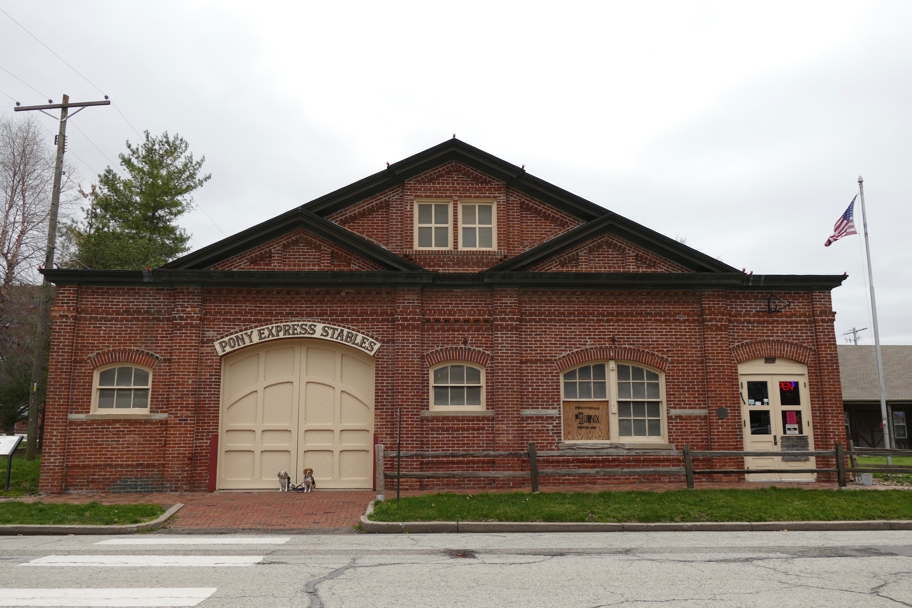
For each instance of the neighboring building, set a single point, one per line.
(489, 306)
(861, 394)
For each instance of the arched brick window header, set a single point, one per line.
(457, 353)
(133, 355)
(616, 353)
(745, 351)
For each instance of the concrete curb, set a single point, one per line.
(36, 530)
(431, 527)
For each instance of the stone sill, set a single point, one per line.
(117, 416)
(444, 413)
(448, 252)
(613, 446)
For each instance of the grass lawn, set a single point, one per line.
(900, 479)
(762, 504)
(23, 477)
(89, 514)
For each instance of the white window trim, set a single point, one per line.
(457, 408)
(133, 412)
(479, 201)
(611, 379)
(433, 201)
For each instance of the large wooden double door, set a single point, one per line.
(293, 404)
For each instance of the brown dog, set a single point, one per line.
(309, 483)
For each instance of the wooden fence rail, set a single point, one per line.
(687, 469)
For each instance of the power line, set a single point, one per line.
(24, 82)
(125, 118)
(11, 97)
(51, 50)
(96, 147)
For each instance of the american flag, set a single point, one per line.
(845, 226)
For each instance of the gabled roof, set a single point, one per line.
(299, 218)
(858, 370)
(612, 223)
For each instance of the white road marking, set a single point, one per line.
(145, 561)
(190, 596)
(197, 540)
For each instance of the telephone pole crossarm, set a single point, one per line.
(66, 104)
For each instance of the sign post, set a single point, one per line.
(8, 445)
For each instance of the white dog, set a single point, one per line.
(284, 481)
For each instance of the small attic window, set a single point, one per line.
(477, 223)
(432, 224)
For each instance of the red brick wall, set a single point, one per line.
(526, 336)
(297, 250)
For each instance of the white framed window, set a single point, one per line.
(457, 386)
(121, 388)
(614, 401)
(477, 224)
(433, 224)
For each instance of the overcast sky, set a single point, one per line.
(742, 127)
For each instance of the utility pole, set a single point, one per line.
(854, 333)
(31, 445)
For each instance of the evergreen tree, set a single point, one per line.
(130, 222)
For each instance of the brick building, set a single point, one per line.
(492, 307)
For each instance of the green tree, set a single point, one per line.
(131, 219)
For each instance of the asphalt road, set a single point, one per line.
(615, 569)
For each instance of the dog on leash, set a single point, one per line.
(284, 481)
(309, 482)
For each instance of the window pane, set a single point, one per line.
(570, 390)
(654, 428)
(473, 395)
(585, 390)
(485, 215)
(571, 375)
(473, 375)
(485, 238)
(598, 371)
(624, 409)
(106, 397)
(757, 393)
(639, 410)
(652, 376)
(441, 395)
(425, 214)
(598, 390)
(440, 214)
(624, 390)
(425, 237)
(468, 237)
(124, 376)
(457, 374)
(124, 396)
(637, 373)
(639, 390)
(639, 428)
(457, 395)
(441, 237)
(442, 375)
(789, 393)
(652, 410)
(468, 214)
(625, 428)
(106, 378)
(652, 390)
(585, 373)
(141, 397)
(760, 422)
(140, 377)
(623, 372)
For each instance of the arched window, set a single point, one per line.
(614, 401)
(121, 388)
(457, 386)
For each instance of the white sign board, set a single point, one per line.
(298, 329)
(9, 443)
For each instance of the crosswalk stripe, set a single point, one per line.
(165, 596)
(197, 540)
(145, 561)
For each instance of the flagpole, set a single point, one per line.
(880, 375)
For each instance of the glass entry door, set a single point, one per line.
(775, 412)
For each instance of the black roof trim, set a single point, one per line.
(626, 229)
(165, 278)
(456, 150)
(283, 224)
